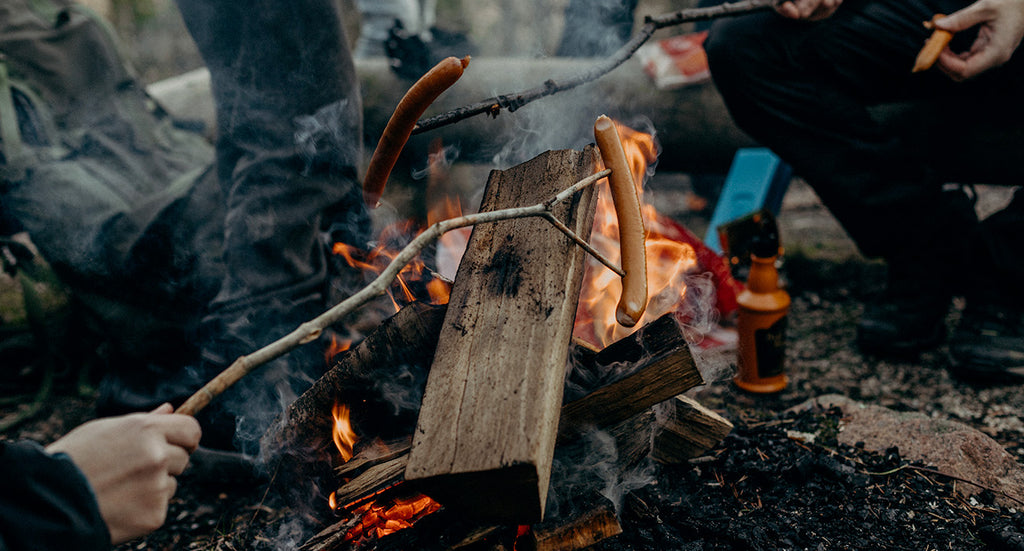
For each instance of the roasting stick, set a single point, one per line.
(511, 102)
(400, 125)
(934, 46)
(311, 330)
(632, 236)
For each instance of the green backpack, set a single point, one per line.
(119, 200)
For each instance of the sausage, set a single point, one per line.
(937, 42)
(632, 236)
(402, 122)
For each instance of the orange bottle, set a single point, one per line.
(761, 321)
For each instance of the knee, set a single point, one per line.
(734, 47)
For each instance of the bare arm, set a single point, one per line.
(130, 462)
(1001, 27)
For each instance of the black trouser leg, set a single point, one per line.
(289, 141)
(806, 90)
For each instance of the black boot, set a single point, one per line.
(988, 343)
(909, 317)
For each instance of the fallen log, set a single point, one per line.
(694, 128)
(488, 422)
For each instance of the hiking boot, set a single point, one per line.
(988, 344)
(903, 325)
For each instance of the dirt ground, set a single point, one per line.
(759, 489)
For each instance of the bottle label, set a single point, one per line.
(770, 345)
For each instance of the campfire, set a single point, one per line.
(518, 324)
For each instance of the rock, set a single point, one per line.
(952, 448)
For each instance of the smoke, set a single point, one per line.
(594, 466)
(442, 159)
(402, 389)
(326, 137)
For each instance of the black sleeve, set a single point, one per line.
(46, 503)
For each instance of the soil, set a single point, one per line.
(761, 488)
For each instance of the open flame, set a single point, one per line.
(377, 517)
(345, 437)
(668, 259)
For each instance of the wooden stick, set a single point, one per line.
(311, 330)
(493, 106)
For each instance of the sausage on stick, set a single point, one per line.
(403, 121)
(937, 42)
(632, 236)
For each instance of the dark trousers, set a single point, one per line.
(837, 100)
(289, 127)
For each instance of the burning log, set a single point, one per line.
(662, 367)
(631, 436)
(484, 439)
(580, 532)
(304, 434)
(668, 371)
(690, 431)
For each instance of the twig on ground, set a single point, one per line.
(511, 102)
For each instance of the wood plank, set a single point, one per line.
(690, 430)
(489, 417)
(662, 367)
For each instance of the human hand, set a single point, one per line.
(1001, 29)
(808, 10)
(131, 461)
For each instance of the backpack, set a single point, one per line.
(119, 200)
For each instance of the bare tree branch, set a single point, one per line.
(511, 102)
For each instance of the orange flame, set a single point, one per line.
(380, 519)
(345, 437)
(405, 289)
(668, 260)
(337, 346)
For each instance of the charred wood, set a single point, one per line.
(690, 430)
(659, 366)
(302, 437)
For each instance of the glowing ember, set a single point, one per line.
(377, 516)
(344, 437)
(381, 519)
(668, 260)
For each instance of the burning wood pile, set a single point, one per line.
(498, 432)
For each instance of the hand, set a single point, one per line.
(131, 462)
(808, 10)
(1001, 29)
